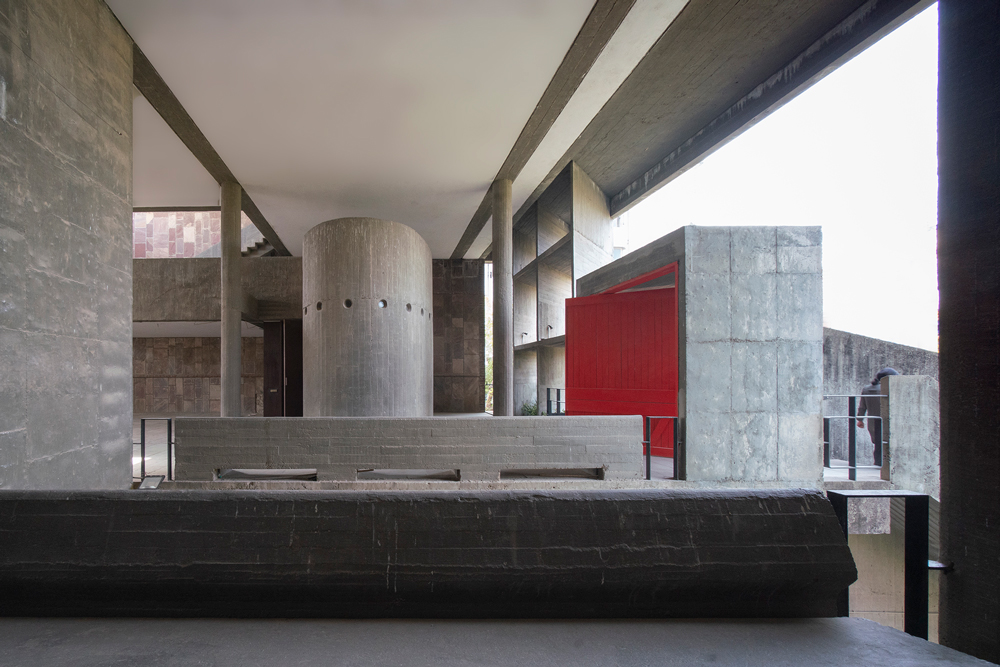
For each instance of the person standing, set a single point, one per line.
(871, 404)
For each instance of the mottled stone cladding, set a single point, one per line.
(177, 234)
(459, 336)
(181, 376)
(65, 246)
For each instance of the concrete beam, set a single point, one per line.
(158, 94)
(866, 25)
(597, 30)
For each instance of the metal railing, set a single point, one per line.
(559, 403)
(142, 445)
(647, 436)
(852, 436)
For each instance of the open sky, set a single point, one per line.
(857, 154)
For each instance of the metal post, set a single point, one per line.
(826, 442)
(878, 441)
(170, 449)
(142, 449)
(648, 433)
(852, 449)
(915, 548)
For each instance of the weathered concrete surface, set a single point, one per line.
(750, 312)
(913, 429)
(819, 642)
(850, 361)
(188, 290)
(231, 302)
(969, 322)
(448, 554)
(339, 447)
(65, 246)
(367, 328)
(504, 336)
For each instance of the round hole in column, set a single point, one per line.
(409, 307)
(319, 305)
(382, 303)
(348, 303)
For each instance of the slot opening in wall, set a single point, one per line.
(417, 474)
(301, 474)
(556, 473)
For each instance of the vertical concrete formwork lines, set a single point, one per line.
(367, 333)
(503, 300)
(231, 313)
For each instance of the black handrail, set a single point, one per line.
(142, 445)
(852, 445)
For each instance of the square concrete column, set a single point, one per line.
(503, 300)
(232, 196)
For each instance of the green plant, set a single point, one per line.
(529, 409)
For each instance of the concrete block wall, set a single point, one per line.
(850, 361)
(459, 335)
(175, 376)
(65, 246)
(750, 327)
(338, 447)
(500, 554)
(913, 428)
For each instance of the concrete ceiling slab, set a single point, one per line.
(398, 110)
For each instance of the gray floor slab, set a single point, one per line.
(219, 642)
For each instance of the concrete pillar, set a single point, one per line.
(969, 283)
(503, 300)
(367, 327)
(232, 195)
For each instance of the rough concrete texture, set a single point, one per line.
(969, 323)
(750, 363)
(367, 329)
(459, 336)
(494, 554)
(172, 376)
(504, 336)
(339, 447)
(913, 431)
(65, 246)
(850, 361)
(819, 642)
(188, 290)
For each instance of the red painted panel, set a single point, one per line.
(621, 355)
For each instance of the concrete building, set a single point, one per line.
(438, 118)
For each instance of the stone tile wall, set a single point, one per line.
(181, 376)
(459, 338)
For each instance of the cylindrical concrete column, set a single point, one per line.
(503, 300)
(231, 368)
(367, 327)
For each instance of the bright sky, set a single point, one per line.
(857, 154)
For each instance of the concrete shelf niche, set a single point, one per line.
(565, 234)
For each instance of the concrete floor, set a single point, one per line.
(219, 642)
(838, 472)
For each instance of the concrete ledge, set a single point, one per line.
(337, 447)
(410, 554)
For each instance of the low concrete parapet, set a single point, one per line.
(493, 554)
(605, 447)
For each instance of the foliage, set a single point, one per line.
(529, 409)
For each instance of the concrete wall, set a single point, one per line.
(339, 447)
(750, 359)
(459, 336)
(501, 554)
(370, 351)
(188, 290)
(65, 246)
(850, 361)
(175, 376)
(912, 427)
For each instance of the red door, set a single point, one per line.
(621, 353)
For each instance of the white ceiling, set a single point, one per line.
(388, 108)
